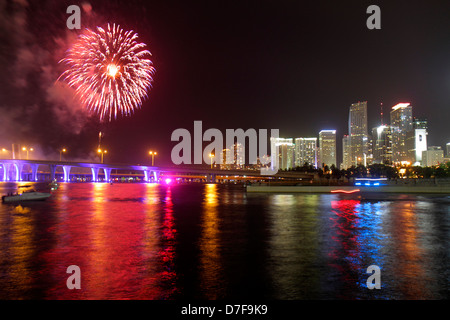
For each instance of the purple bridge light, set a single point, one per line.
(15, 170)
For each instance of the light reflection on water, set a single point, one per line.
(293, 245)
(146, 241)
(211, 268)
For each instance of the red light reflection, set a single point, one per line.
(123, 248)
(346, 251)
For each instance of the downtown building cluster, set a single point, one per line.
(309, 151)
(402, 142)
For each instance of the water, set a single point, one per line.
(147, 241)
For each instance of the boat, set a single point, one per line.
(28, 195)
(53, 185)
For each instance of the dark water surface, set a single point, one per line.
(148, 241)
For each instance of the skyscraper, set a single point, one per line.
(401, 124)
(448, 150)
(233, 157)
(284, 153)
(225, 165)
(382, 145)
(346, 153)
(417, 141)
(306, 151)
(358, 134)
(327, 148)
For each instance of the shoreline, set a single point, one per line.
(350, 189)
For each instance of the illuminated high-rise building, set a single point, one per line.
(417, 141)
(233, 157)
(434, 156)
(382, 145)
(239, 155)
(346, 153)
(448, 150)
(327, 148)
(358, 134)
(305, 151)
(285, 153)
(225, 165)
(401, 125)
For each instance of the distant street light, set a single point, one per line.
(153, 154)
(60, 153)
(102, 152)
(5, 151)
(26, 149)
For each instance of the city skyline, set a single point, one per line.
(403, 140)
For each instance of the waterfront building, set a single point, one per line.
(235, 160)
(346, 153)
(358, 134)
(225, 165)
(305, 152)
(382, 145)
(432, 157)
(284, 154)
(401, 125)
(327, 148)
(417, 141)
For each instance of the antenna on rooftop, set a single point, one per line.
(381, 107)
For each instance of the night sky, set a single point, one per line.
(296, 66)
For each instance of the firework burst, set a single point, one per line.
(110, 71)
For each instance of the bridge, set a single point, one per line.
(28, 170)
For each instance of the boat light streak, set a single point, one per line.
(345, 191)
